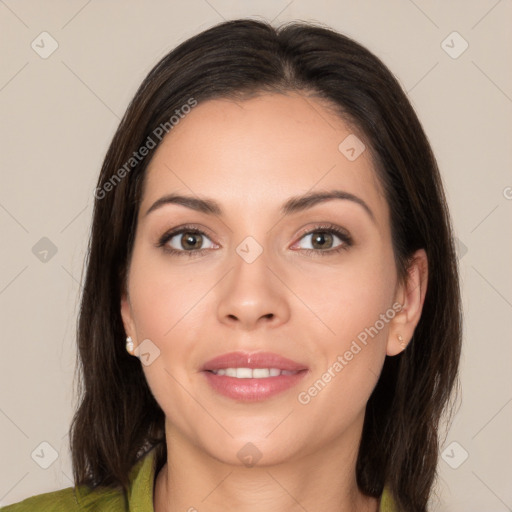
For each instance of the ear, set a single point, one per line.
(410, 296)
(127, 316)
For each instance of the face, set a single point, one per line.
(315, 284)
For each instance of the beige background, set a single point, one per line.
(59, 114)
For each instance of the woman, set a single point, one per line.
(271, 312)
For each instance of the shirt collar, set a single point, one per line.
(142, 478)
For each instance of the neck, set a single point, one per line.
(325, 480)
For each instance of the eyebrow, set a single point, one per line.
(292, 205)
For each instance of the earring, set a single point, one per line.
(401, 340)
(129, 345)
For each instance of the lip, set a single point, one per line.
(251, 390)
(254, 360)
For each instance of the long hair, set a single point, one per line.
(117, 419)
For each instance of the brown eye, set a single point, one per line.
(191, 240)
(186, 241)
(325, 240)
(321, 240)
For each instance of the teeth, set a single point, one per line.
(261, 373)
(249, 373)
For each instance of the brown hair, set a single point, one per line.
(118, 420)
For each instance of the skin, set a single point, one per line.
(250, 157)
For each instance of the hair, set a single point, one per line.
(117, 419)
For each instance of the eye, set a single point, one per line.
(185, 241)
(325, 240)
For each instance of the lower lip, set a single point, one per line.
(252, 390)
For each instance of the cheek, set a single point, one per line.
(349, 296)
(167, 308)
(350, 359)
(162, 295)
(354, 300)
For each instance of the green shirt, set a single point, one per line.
(139, 498)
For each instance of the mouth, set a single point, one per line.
(252, 377)
(252, 373)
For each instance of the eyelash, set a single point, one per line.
(323, 228)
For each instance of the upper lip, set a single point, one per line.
(254, 360)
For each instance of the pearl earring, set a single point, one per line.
(129, 345)
(401, 340)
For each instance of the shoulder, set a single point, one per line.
(108, 499)
(69, 500)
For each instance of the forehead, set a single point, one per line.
(260, 151)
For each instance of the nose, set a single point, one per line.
(253, 295)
